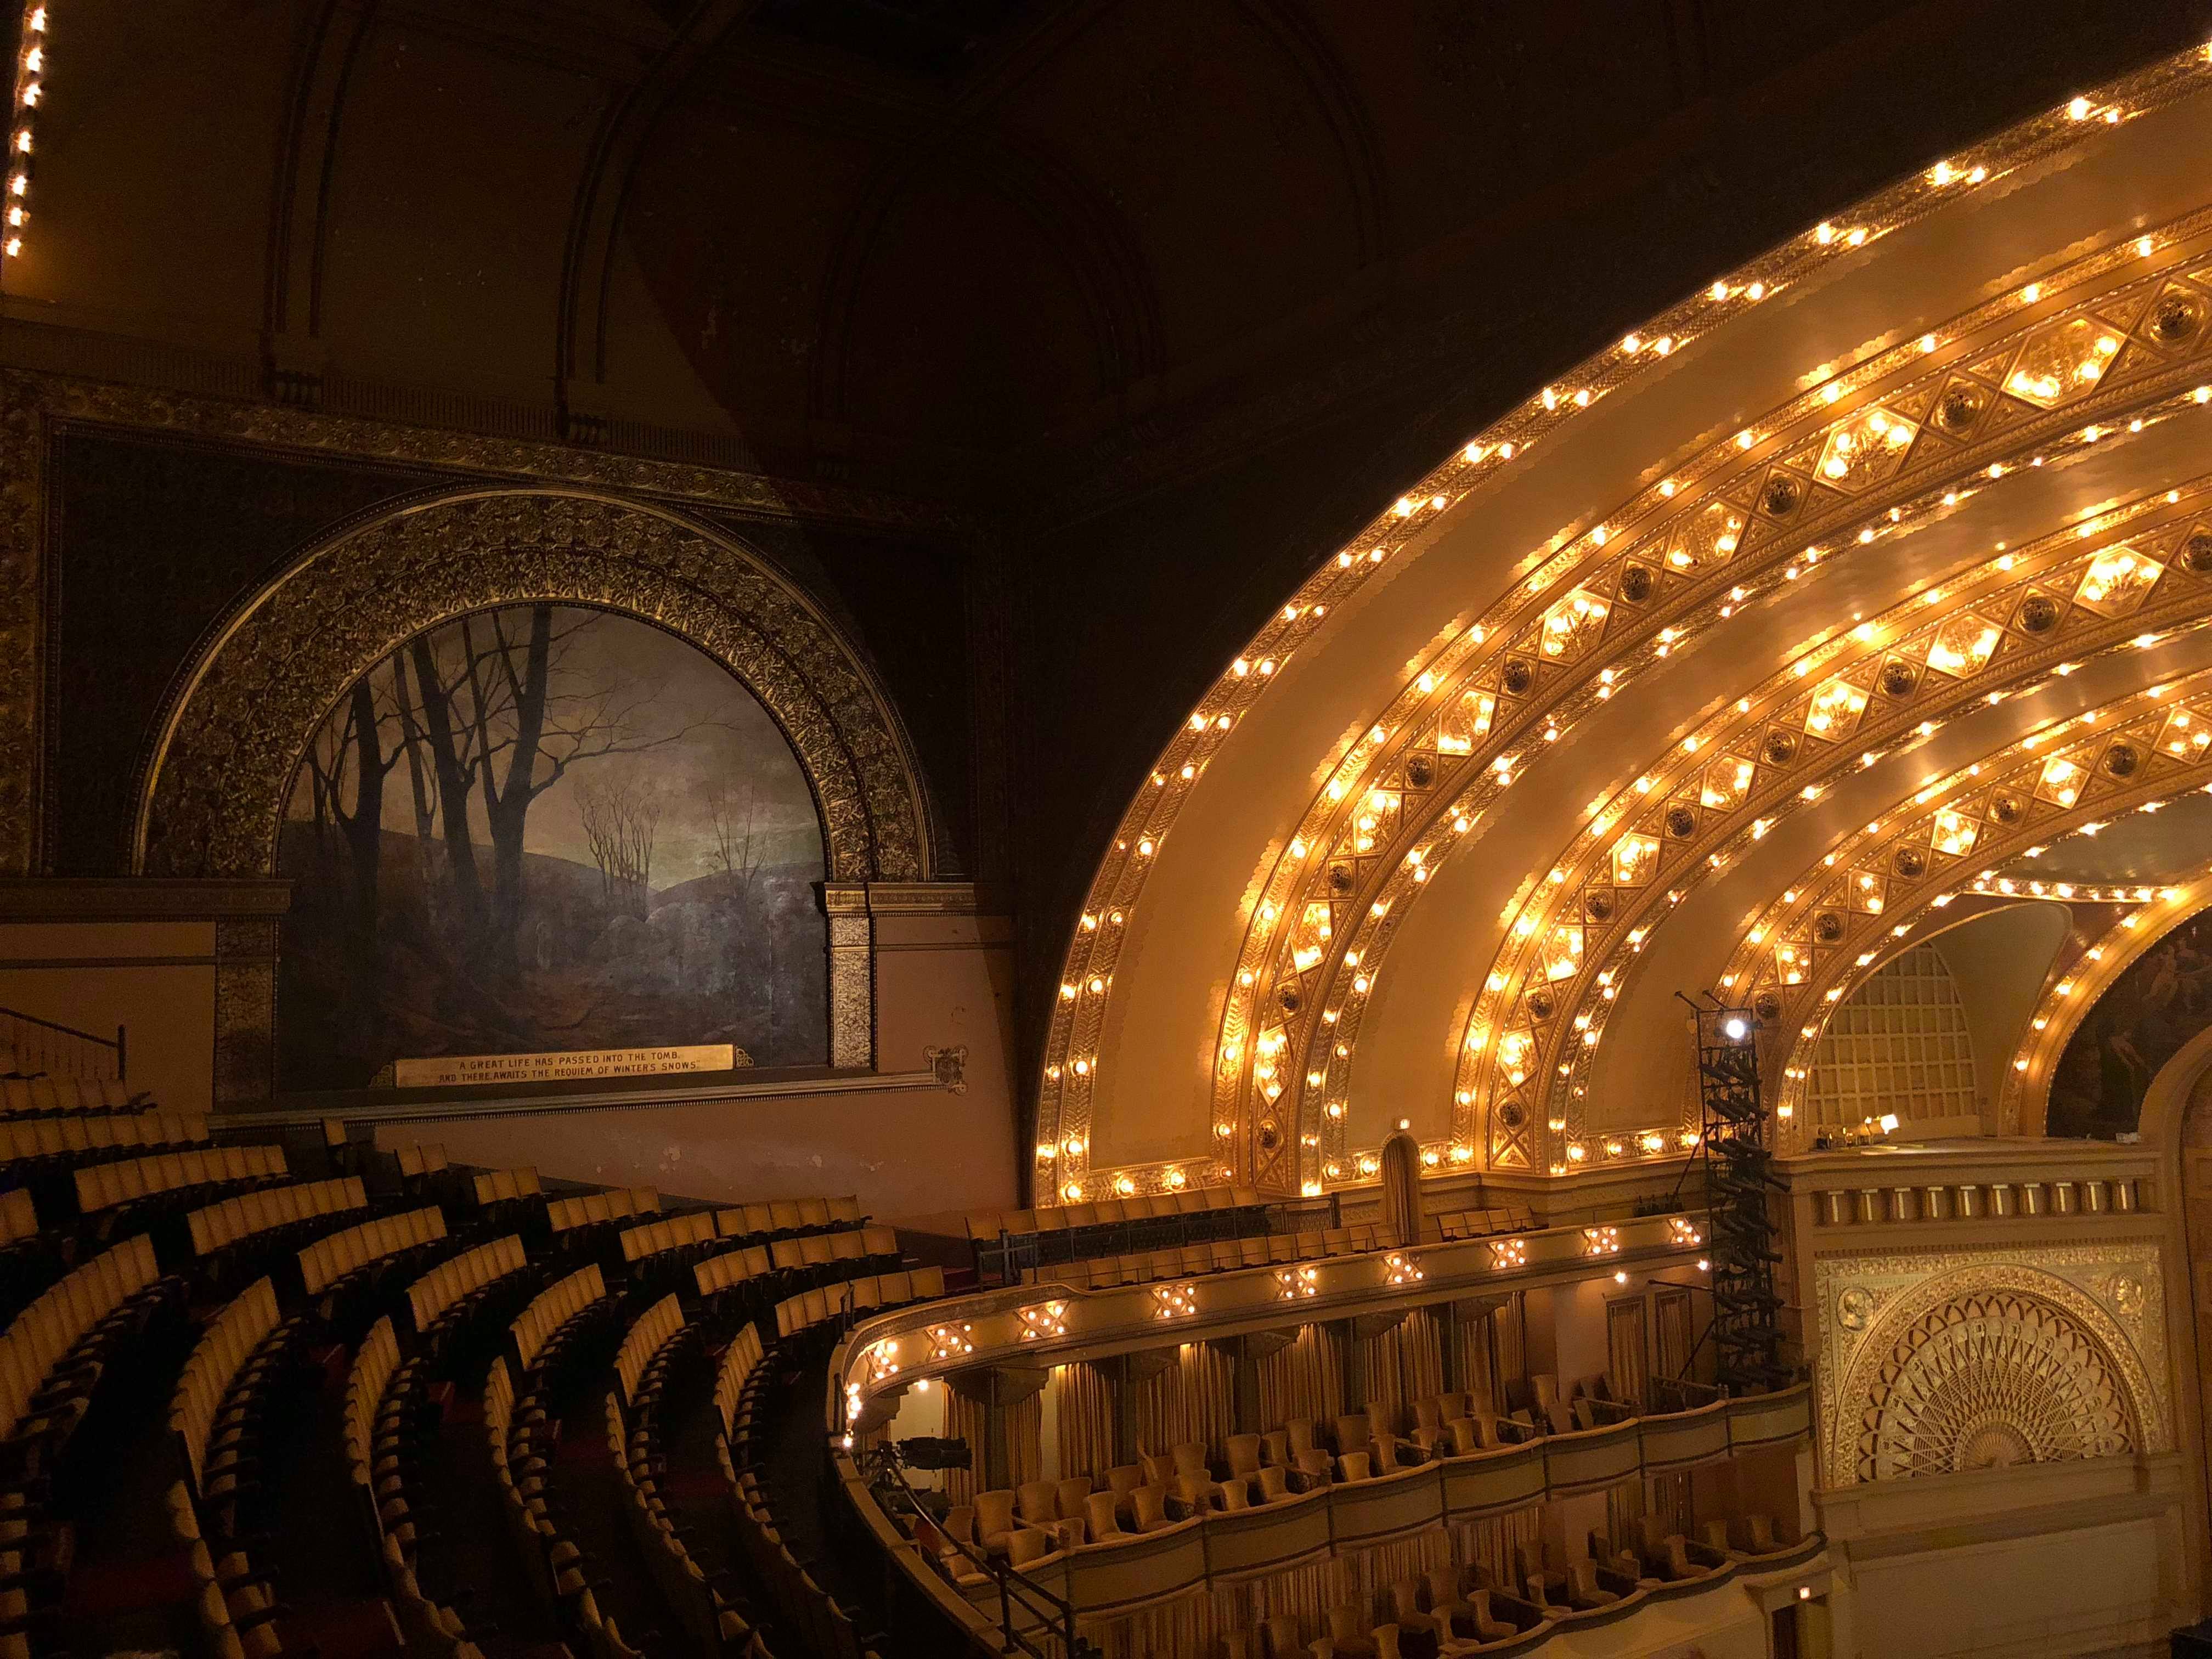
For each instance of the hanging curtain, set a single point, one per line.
(1670, 1500)
(1382, 1384)
(1194, 1399)
(1305, 1379)
(1182, 1629)
(1401, 1189)
(1511, 1324)
(1675, 1333)
(1625, 1505)
(1627, 1344)
(1478, 1340)
(1026, 1440)
(1421, 1354)
(964, 1420)
(1490, 1543)
(1083, 1401)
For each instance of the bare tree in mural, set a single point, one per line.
(442, 907)
(734, 822)
(621, 824)
(348, 766)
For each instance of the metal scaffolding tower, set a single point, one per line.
(1738, 1156)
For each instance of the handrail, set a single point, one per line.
(116, 1043)
(1047, 1609)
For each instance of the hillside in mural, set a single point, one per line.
(545, 828)
(2141, 1021)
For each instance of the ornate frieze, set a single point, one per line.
(222, 768)
(1941, 1363)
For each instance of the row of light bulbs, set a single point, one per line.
(1600, 999)
(1559, 962)
(1797, 1068)
(1119, 880)
(2088, 434)
(30, 94)
(1943, 820)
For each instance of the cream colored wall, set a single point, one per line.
(156, 979)
(1998, 961)
(2088, 1556)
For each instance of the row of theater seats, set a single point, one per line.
(1007, 1241)
(131, 1192)
(744, 1379)
(332, 1260)
(226, 1398)
(1261, 1468)
(1260, 1250)
(836, 1305)
(67, 1097)
(764, 1221)
(654, 1343)
(330, 1255)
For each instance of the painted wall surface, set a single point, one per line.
(2084, 1591)
(921, 1157)
(156, 980)
(2140, 1023)
(543, 828)
(1998, 961)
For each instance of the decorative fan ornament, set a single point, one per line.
(1989, 1380)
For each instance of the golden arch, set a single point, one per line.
(214, 789)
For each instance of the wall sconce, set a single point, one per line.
(881, 1363)
(1509, 1252)
(1684, 1231)
(950, 1342)
(1601, 1241)
(1298, 1283)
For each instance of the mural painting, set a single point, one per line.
(2143, 1020)
(543, 828)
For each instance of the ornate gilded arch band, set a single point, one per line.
(214, 790)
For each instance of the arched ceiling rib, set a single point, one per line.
(1785, 451)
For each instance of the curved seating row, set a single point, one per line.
(646, 1338)
(518, 1432)
(58, 1096)
(34, 1144)
(830, 1307)
(327, 1262)
(580, 1225)
(556, 1314)
(249, 1215)
(452, 1289)
(787, 1217)
(741, 1382)
(718, 1627)
(215, 1411)
(51, 1353)
(158, 1181)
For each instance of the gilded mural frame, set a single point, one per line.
(531, 521)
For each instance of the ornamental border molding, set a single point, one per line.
(33, 406)
(2075, 1279)
(211, 796)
